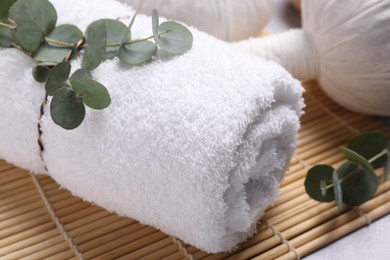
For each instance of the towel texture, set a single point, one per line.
(195, 145)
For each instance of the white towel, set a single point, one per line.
(195, 145)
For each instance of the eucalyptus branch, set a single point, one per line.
(53, 47)
(365, 153)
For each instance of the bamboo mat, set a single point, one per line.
(39, 220)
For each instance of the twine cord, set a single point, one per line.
(53, 216)
(75, 49)
(183, 249)
(283, 239)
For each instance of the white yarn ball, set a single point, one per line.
(230, 20)
(345, 45)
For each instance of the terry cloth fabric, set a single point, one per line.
(195, 144)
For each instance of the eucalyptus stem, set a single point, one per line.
(136, 41)
(376, 157)
(9, 26)
(62, 44)
(344, 178)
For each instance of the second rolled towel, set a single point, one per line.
(195, 145)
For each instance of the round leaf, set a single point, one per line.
(65, 33)
(80, 74)
(368, 145)
(155, 24)
(354, 157)
(314, 183)
(5, 37)
(40, 73)
(93, 94)
(34, 19)
(66, 110)
(57, 77)
(174, 38)
(95, 50)
(5, 5)
(115, 32)
(359, 187)
(137, 53)
(47, 53)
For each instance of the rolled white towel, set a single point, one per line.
(195, 145)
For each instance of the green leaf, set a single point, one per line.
(115, 32)
(93, 94)
(155, 24)
(338, 194)
(34, 19)
(359, 187)
(5, 5)
(314, 183)
(174, 38)
(137, 53)
(66, 33)
(387, 165)
(40, 73)
(47, 53)
(57, 77)
(368, 145)
(354, 157)
(66, 110)
(5, 37)
(80, 74)
(95, 50)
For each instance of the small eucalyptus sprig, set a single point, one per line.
(30, 26)
(355, 181)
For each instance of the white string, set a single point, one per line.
(183, 249)
(283, 239)
(53, 216)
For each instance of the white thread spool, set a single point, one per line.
(230, 20)
(345, 45)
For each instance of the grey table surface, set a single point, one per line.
(369, 242)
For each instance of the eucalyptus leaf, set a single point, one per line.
(93, 94)
(354, 157)
(314, 183)
(40, 73)
(34, 19)
(359, 187)
(174, 38)
(338, 194)
(137, 53)
(155, 23)
(47, 53)
(57, 77)
(95, 50)
(66, 110)
(80, 74)
(66, 33)
(368, 145)
(115, 32)
(5, 37)
(5, 5)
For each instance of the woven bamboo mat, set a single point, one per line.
(39, 220)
